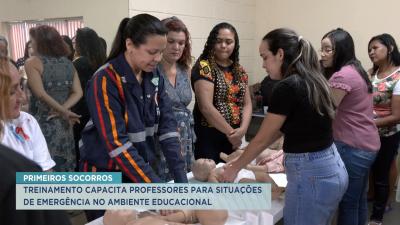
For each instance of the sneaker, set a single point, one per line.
(375, 223)
(388, 208)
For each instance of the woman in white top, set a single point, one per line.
(385, 56)
(19, 130)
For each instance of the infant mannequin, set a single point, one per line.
(205, 170)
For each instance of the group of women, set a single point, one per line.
(337, 120)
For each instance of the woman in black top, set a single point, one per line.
(222, 111)
(89, 56)
(301, 108)
(266, 88)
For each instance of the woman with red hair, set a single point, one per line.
(175, 68)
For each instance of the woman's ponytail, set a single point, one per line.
(118, 45)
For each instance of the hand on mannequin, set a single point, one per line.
(119, 217)
(147, 221)
(229, 173)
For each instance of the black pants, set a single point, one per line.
(210, 142)
(381, 171)
(78, 127)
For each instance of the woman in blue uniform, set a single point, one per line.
(129, 107)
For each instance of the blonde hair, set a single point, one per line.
(5, 86)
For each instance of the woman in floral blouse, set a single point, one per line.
(385, 56)
(222, 111)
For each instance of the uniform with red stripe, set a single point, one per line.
(124, 124)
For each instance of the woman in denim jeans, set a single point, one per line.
(354, 130)
(302, 109)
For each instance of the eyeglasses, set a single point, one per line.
(326, 50)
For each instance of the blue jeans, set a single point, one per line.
(353, 208)
(316, 184)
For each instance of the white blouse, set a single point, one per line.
(25, 137)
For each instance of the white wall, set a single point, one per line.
(363, 19)
(252, 18)
(201, 16)
(101, 15)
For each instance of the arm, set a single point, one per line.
(341, 83)
(41, 154)
(247, 111)
(338, 95)
(392, 119)
(267, 134)
(204, 91)
(246, 117)
(108, 112)
(234, 155)
(76, 92)
(169, 136)
(34, 69)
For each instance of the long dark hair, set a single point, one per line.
(344, 53)
(68, 41)
(26, 51)
(208, 51)
(176, 25)
(300, 58)
(137, 28)
(49, 42)
(393, 55)
(88, 44)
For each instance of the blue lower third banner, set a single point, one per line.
(89, 195)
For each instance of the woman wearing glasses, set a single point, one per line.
(354, 131)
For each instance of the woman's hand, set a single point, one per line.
(229, 173)
(52, 114)
(67, 115)
(70, 116)
(235, 137)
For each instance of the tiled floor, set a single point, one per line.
(392, 217)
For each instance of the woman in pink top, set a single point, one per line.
(354, 131)
(385, 56)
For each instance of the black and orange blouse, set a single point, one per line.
(229, 90)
